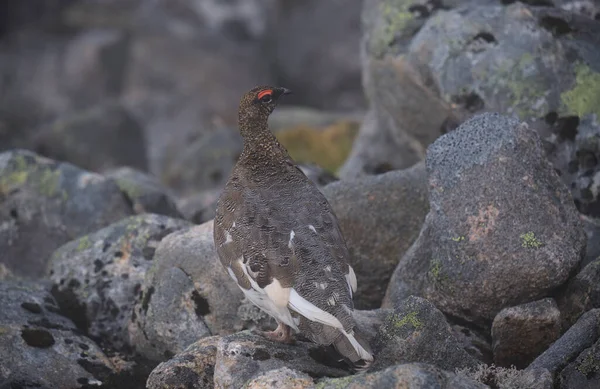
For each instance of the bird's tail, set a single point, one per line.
(355, 349)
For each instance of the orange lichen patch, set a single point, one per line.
(125, 251)
(482, 224)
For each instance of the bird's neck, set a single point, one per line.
(261, 147)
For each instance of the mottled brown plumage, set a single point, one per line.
(278, 238)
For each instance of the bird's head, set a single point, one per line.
(259, 102)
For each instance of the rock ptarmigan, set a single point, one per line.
(279, 240)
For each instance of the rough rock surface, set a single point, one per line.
(581, 294)
(200, 208)
(521, 333)
(97, 278)
(410, 376)
(281, 378)
(193, 368)
(380, 218)
(145, 192)
(244, 356)
(417, 332)
(39, 347)
(583, 372)
(100, 138)
(583, 334)
(490, 239)
(187, 295)
(49, 203)
(476, 341)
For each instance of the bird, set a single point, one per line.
(278, 238)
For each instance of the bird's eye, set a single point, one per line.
(265, 96)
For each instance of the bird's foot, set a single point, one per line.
(282, 334)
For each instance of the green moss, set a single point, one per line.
(436, 269)
(129, 187)
(396, 17)
(12, 180)
(589, 365)
(84, 243)
(335, 383)
(410, 318)
(584, 97)
(48, 182)
(528, 240)
(458, 238)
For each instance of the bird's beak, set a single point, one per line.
(285, 91)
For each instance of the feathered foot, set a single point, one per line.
(283, 334)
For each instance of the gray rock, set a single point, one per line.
(330, 48)
(200, 207)
(97, 278)
(41, 348)
(187, 295)
(319, 176)
(49, 203)
(244, 356)
(193, 368)
(583, 334)
(489, 240)
(380, 217)
(509, 378)
(97, 139)
(145, 192)
(281, 378)
(581, 294)
(583, 372)
(521, 333)
(409, 376)
(475, 341)
(592, 229)
(417, 332)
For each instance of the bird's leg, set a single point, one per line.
(283, 333)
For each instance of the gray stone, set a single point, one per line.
(592, 229)
(380, 217)
(475, 341)
(187, 295)
(41, 348)
(489, 240)
(509, 378)
(191, 369)
(417, 332)
(581, 294)
(281, 378)
(244, 356)
(583, 372)
(146, 193)
(521, 333)
(99, 138)
(409, 376)
(49, 203)
(97, 278)
(200, 207)
(583, 334)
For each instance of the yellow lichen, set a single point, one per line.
(529, 240)
(410, 318)
(584, 97)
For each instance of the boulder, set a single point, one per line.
(521, 333)
(415, 331)
(244, 356)
(410, 376)
(187, 295)
(50, 203)
(201, 207)
(42, 349)
(145, 192)
(280, 378)
(490, 239)
(96, 139)
(97, 278)
(509, 378)
(380, 217)
(581, 294)
(582, 335)
(583, 372)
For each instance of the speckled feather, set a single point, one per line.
(273, 225)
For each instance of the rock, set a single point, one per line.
(319, 176)
(475, 341)
(281, 378)
(511, 378)
(521, 333)
(417, 332)
(330, 49)
(49, 203)
(200, 207)
(41, 348)
(410, 376)
(581, 294)
(592, 229)
(145, 192)
(380, 217)
(97, 278)
(193, 368)
(187, 295)
(583, 372)
(583, 334)
(244, 356)
(489, 240)
(204, 164)
(96, 139)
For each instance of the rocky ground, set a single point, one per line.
(458, 142)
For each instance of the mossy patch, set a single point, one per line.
(528, 240)
(589, 365)
(327, 147)
(335, 383)
(83, 243)
(398, 322)
(584, 97)
(458, 238)
(395, 17)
